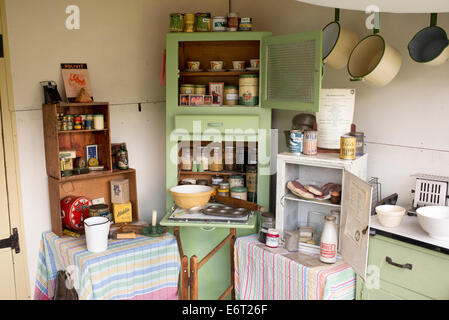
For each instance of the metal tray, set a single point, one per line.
(225, 211)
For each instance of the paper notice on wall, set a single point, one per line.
(335, 117)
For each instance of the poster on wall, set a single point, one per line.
(75, 77)
(335, 116)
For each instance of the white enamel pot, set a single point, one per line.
(430, 46)
(374, 61)
(337, 45)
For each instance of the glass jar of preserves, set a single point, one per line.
(223, 189)
(233, 22)
(231, 95)
(216, 160)
(236, 181)
(186, 160)
(229, 158)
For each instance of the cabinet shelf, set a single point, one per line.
(292, 197)
(215, 73)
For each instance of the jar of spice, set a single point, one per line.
(203, 22)
(200, 89)
(249, 90)
(239, 193)
(223, 189)
(219, 24)
(187, 89)
(231, 95)
(189, 22)
(216, 161)
(229, 158)
(236, 181)
(233, 22)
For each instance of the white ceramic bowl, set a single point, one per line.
(390, 216)
(435, 221)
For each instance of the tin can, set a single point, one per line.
(272, 238)
(189, 22)
(310, 142)
(101, 210)
(203, 22)
(360, 136)
(231, 95)
(199, 89)
(187, 89)
(296, 141)
(74, 210)
(176, 22)
(246, 24)
(249, 90)
(77, 122)
(233, 22)
(89, 125)
(239, 193)
(348, 147)
(218, 24)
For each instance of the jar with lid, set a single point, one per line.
(229, 158)
(186, 160)
(267, 222)
(223, 189)
(236, 181)
(216, 160)
(233, 22)
(205, 158)
(231, 95)
(272, 238)
(200, 89)
(329, 241)
(187, 89)
(249, 90)
(98, 121)
(240, 158)
(216, 180)
(251, 182)
(239, 193)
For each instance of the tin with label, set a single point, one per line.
(348, 147)
(360, 136)
(219, 24)
(101, 210)
(246, 24)
(176, 22)
(296, 141)
(310, 142)
(203, 22)
(272, 238)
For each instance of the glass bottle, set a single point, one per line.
(122, 158)
(329, 241)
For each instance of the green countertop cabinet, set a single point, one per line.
(427, 278)
(214, 276)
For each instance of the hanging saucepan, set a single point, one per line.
(374, 61)
(430, 46)
(337, 43)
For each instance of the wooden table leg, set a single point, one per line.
(185, 278)
(232, 242)
(193, 278)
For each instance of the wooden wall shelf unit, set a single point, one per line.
(91, 186)
(56, 140)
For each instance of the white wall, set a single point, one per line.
(122, 42)
(405, 122)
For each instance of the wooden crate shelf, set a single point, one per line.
(89, 186)
(56, 141)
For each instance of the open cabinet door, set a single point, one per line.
(355, 221)
(291, 67)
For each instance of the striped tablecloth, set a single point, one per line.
(264, 275)
(138, 269)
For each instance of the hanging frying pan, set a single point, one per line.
(430, 46)
(337, 43)
(373, 60)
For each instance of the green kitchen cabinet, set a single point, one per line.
(247, 124)
(399, 270)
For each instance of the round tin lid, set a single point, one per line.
(249, 76)
(187, 85)
(100, 206)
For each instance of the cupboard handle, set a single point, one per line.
(403, 266)
(215, 124)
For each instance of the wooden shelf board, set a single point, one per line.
(219, 106)
(213, 173)
(96, 174)
(81, 104)
(215, 74)
(81, 131)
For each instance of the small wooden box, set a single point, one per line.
(122, 212)
(120, 191)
